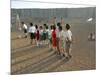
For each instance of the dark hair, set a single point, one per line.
(51, 27)
(46, 27)
(67, 26)
(58, 24)
(31, 24)
(60, 28)
(54, 27)
(22, 22)
(41, 27)
(36, 26)
(55, 17)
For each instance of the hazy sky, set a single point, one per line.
(30, 4)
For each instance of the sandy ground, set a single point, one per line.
(26, 58)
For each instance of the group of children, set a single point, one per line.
(58, 39)
(62, 40)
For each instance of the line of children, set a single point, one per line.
(65, 41)
(42, 36)
(58, 39)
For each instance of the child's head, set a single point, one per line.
(22, 22)
(67, 26)
(46, 27)
(36, 26)
(54, 27)
(41, 27)
(60, 28)
(58, 24)
(51, 27)
(31, 24)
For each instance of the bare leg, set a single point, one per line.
(31, 41)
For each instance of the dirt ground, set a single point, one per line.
(26, 58)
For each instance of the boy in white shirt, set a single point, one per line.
(32, 31)
(68, 41)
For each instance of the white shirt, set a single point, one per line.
(32, 29)
(57, 32)
(61, 34)
(41, 31)
(47, 30)
(25, 26)
(50, 33)
(68, 35)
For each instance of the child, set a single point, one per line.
(47, 34)
(57, 33)
(68, 41)
(50, 37)
(91, 37)
(41, 34)
(32, 31)
(44, 35)
(61, 41)
(37, 35)
(25, 29)
(54, 39)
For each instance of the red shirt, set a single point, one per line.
(54, 38)
(37, 34)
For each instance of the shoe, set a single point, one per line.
(70, 56)
(67, 57)
(63, 55)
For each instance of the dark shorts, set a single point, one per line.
(25, 30)
(32, 35)
(44, 36)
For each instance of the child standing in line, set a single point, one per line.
(68, 41)
(32, 31)
(41, 34)
(57, 32)
(50, 37)
(54, 39)
(61, 41)
(44, 34)
(37, 35)
(47, 34)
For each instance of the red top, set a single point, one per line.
(54, 38)
(37, 35)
